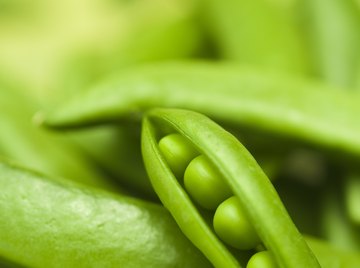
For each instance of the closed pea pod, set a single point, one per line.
(265, 101)
(47, 223)
(239, 171)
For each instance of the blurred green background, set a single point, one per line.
(52, 50)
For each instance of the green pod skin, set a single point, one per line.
(266, 102)
(243, 175)
(60, 224)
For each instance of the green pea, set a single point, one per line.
(262, 259)
(232, 225)
(178, 153)
(204, 183)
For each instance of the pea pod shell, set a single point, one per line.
(241, 173)
(60, 224)
(265, 101)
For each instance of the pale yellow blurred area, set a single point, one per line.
(40, 40)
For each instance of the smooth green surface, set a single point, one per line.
(49, 224)
(262, 259)
(243, 175)
(232, 225)
(204, 184)
(279, 104)
(178, 153)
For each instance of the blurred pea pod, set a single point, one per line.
(175, 38)
(74, 43)
(23, 142)
(61, 224)
(333, 28)
(231, 94)
(259, 32)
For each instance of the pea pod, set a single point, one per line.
(61, 224)
(241, 174)
(122, 33)
(25, 218)
(264, 101)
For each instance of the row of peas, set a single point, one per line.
(206, 187)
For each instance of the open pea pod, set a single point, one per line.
(45, 223)
(91, 228)
(289, 106)
(167, 160)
